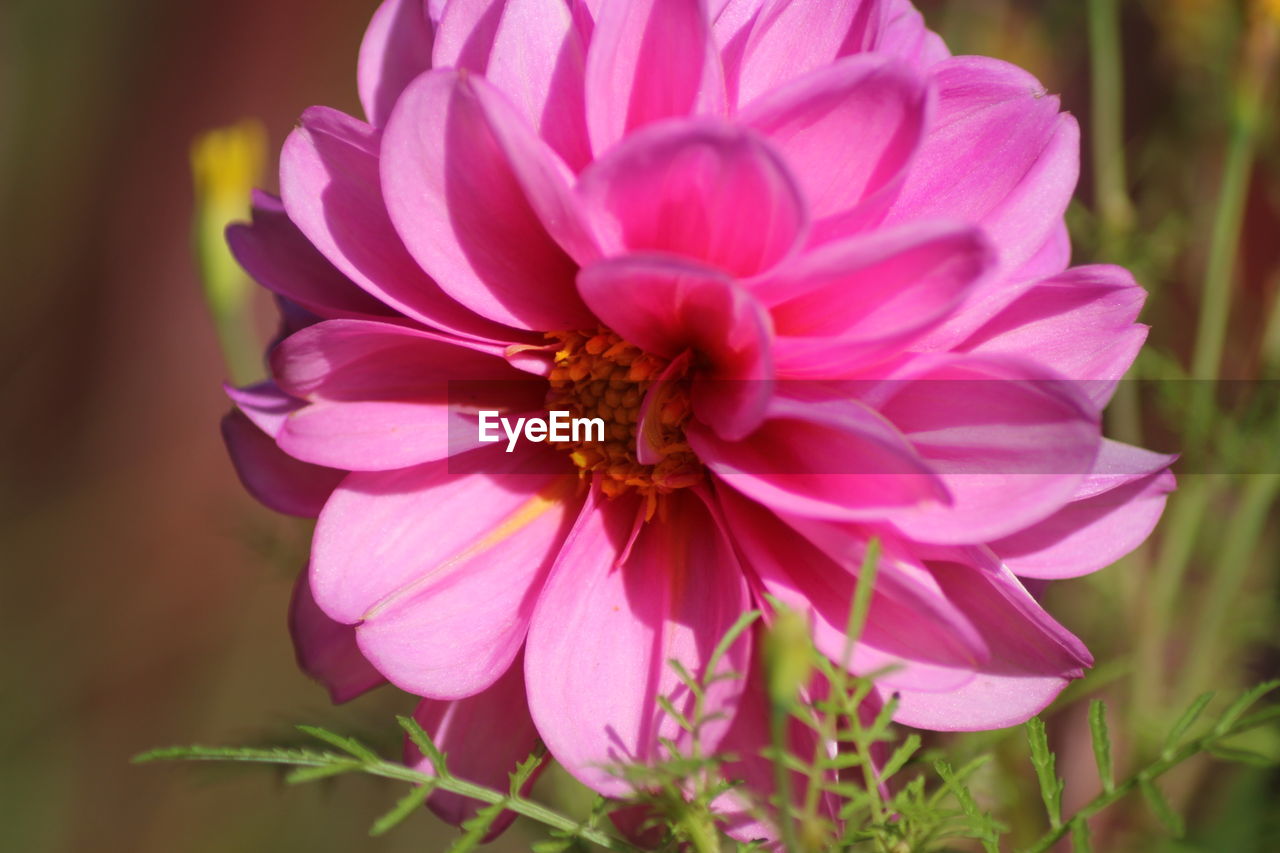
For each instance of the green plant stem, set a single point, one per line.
(1215, 303)
(399, 772)
(1230, 575)
(1148, 774)
(779, 715)
(1187, 509)
(1115, 210)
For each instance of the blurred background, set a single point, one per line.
(144, 594)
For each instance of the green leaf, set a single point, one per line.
(419, 737)
(1243, 756)
(900, 757)
(861, 605)
(406, 806)
(475, 829)
(1185, 722)
(745, 621)
(1102, 744)
(1160, 807)
(525, 769)
(1044, 761)
(271, 755)
(1243, 704)
(313, 774)
(351, 746)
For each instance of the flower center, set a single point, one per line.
(599, 375)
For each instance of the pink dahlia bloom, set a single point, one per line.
(812, 273)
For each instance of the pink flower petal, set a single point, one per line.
(910, 624)
(396, 48)
(440, 565)
(265, 404)
(484, 737)
(536, 55)
(998, 154)
(1032, 656)
(790, 38)
(1113, 512)
(700, 189)
(650, 60)
(380, 394)
(470, 188)
(280, 258)
(847, 131)
(748, 739)
(326, 650)
(984, 424)
(331, 189)
(833, 458)
(861, 300)
(275, 478)
(1080, 324)
(668, 306)
(679, 591)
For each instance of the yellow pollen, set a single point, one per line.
(599, 375)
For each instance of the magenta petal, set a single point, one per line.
(265, 404)
(1114, 511)
(441, 567)
(537, 58)
(847, 131)
(602, 636)
(280, 258)
(910, 625)
(331, 189)
(667, 306)
(469, 187)
(834, 459)
(984, 423)
(1080, 323)
(371, 360)
(379, 393)
(860, 300)
(789, 38)
(701, 189)
(747, 740)
(396, 48)
(272, 476)
(484, 737)
(1032, 656)
(998, 154)
(326, 650)
(650, 60)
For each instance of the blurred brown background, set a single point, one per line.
(144, 594)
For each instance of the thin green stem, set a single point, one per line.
(1215, 304)
(1230, 575)
(401, 773)
(1187, 510)
(1115, 210)
(1148, 774)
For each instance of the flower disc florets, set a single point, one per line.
(599, 375)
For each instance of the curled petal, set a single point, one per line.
(703, 190)
(668, 306)
(473, 193)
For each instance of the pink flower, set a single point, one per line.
(811, 271)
